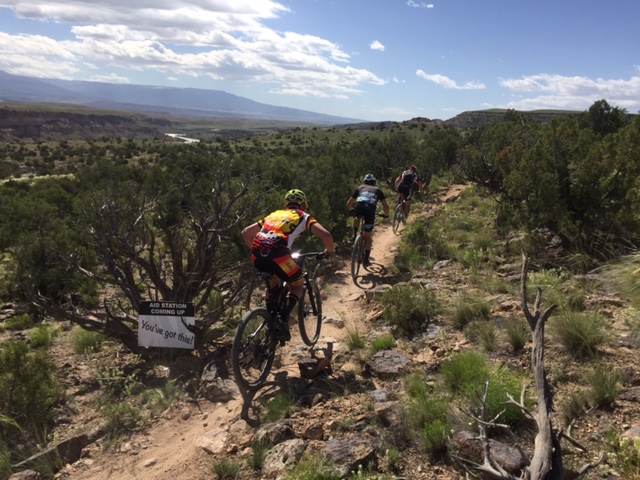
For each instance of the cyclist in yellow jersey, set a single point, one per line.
(270, 240)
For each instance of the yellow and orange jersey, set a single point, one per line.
(281, 228)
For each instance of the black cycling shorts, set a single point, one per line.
(368, 213)
(406, 190)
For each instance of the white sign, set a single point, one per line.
(160, 324)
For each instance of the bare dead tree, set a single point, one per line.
(546, 463)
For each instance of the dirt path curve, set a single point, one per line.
(174, 447)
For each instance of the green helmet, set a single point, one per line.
(296, 196)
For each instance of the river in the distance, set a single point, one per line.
(180, 137)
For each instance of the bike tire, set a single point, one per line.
(253, 349)
(310, 313)
(357, 256)
(399, 218)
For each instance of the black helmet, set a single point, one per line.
(370, 179)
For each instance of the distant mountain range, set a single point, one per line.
(188, 102)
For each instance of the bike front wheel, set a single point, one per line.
(310, 314)
(253, 349)
(399, 218)
(357, 256)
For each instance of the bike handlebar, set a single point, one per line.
(315, 255)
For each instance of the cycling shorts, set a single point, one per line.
(368, 212)
(406, 190)
(279, 263)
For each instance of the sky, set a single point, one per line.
(372, 60)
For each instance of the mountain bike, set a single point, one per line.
(261, 330)
(399, 217)
(357, 253)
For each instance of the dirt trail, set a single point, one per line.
(172, 449)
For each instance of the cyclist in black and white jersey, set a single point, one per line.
(366, 198)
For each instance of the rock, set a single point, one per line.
(283, 455)
(213, 442)
(313, 432)
(351, 451)
(388, 364)
(379, 395)
(274, 433)
(218, 389)
(26, 475)
(632, 434)
(470, 448)
(630, 395)
(389, 413)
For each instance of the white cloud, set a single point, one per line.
(376, 45)
(411, 3)
(574, 93)
(446, 82)
(220, 39)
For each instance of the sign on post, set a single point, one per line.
(160, 324)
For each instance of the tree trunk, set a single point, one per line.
(546, 463)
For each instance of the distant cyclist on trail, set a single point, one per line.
(270, 240)
(366, 198)
(406, 183)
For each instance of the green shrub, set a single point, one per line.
(551, 281)
(466, 373)
(310, 468)
(573, 407)
(469, 308)
(604, 382)
(158, 400)
(122, 418)
(427, 412)
(225, 469)
(18, 322)
(354, 338)
(624, 455)
(621, 278)
(259, 452)
(580, 333)
(518, 333)
(409, 309)
(5, 460)
(280, 406)
(484, 334)
(29, 387)
(85, 341)
(393, 457)
(383, 342)
(42, 336)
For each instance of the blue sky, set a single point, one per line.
(364, 59)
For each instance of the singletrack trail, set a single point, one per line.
(175, 447)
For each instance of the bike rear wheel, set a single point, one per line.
(310, 314)
(399, 217)
(253, 349)
(357, 256)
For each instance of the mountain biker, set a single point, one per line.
(270, 240)
(366, 198)
(406, 183)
